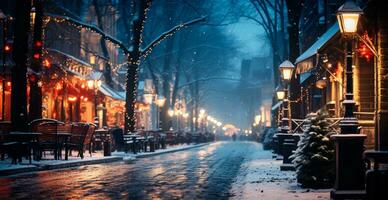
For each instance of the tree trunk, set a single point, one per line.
(133, 68)
(36, 64)
(19, 71)
(165, 119)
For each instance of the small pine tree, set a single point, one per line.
(314, 159)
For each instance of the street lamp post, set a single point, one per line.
(170, 113)
(286, 69)
(95, 84)
(284, 146)
(160, 101)
(350, 168)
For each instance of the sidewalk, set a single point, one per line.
(261, 178)
(6, 168)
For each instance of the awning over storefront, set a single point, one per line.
(106, 90)
(304, 62)
(81, 69)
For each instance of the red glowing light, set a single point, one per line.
(363, 50)
(7, 48)
(38, 43)
(36, 55)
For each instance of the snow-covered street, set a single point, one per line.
(222, 170)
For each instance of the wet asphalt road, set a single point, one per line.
(199, 173)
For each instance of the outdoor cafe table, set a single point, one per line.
(29, 137)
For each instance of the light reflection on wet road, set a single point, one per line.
(199, 173)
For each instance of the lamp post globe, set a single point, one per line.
(286, 69)
(280, 94)
(348, 16)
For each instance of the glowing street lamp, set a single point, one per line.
(148, 98)
(170, 112)
(348, 16)
(160, 101)
(94, 84)
(185, 115)
(280, 94)
(92, 59)
(349, 144)
(33, 15)
(286, 69)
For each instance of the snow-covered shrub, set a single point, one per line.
(314, 159)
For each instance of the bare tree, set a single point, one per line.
(136, 53)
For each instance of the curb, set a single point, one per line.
(8, 172)
(46, 167)
(80, 163)
(171, 151)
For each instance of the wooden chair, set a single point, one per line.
(49, 140)
(77, 139)
(89, 138)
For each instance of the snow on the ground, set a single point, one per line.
(260, 178)
(49, 160)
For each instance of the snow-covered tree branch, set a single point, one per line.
(163, 36)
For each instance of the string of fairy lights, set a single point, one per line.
(134, 54)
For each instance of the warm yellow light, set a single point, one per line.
(33, 15)
(161, 101)
(219, 124)
(280, 94)
(348, 16)
(286, 69)
(99, 82)
(178, 112)
(148, 98)
(287, 73)
(72, 99)
(185, 115)
(257, 119)
(90, 84)
(202, 111)
(170, 112)
(350, 22)
(92, 60)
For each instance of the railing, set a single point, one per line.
(301, 122)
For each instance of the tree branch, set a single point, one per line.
(93, 28)
(163, 36)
